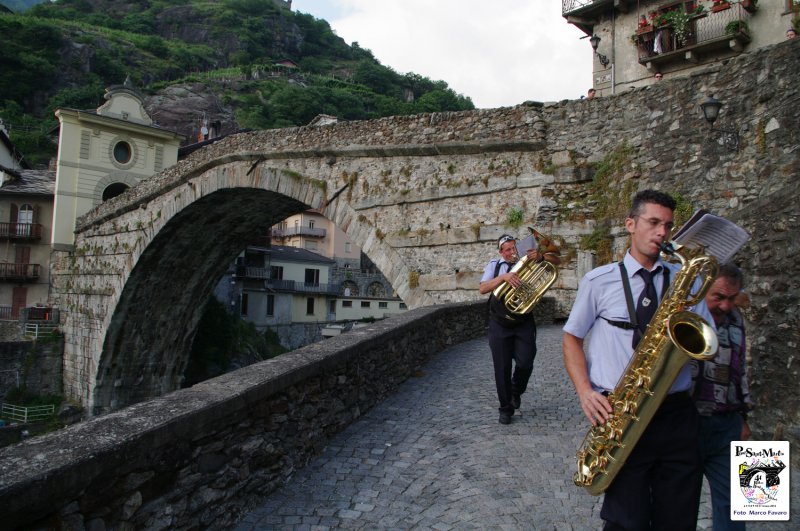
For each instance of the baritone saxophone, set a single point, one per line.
(536, 278)
(672, 337)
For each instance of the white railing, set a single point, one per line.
(568, 6)
(36, 330)
(27, 414)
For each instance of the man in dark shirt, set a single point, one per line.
(721, 394)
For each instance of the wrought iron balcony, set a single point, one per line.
(19, 272)
(21, 231)
(715, 31)
(586, 7)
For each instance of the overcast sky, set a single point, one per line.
(497, 53)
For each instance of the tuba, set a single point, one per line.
(536, 277)
(673, 336)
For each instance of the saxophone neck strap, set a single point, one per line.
(626, 285)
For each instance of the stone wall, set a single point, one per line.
(201, 457)
(772, 278)
(10, 331)
(36, 365)
(295, 335)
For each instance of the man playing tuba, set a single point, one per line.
(512, 337)
(657, 487)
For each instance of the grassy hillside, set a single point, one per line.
(64, 54)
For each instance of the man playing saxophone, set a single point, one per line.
(657, 487)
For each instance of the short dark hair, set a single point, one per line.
(732, 273)
(650, 196)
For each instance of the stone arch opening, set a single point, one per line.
(112, 182)
(376, 289)
(128, 333)
(113, 190)
(148, 340)
(349, 288)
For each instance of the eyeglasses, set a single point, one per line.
(659, 76)
(654, 223)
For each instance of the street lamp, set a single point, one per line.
(711, 108)
(594, 40)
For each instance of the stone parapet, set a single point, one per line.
(203, 456)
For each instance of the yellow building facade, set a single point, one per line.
(104, 152)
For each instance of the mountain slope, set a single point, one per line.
(223, 54)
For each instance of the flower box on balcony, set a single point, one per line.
(644, 29)
(722, 6)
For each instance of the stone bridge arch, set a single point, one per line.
(427, 195)
(143, 265)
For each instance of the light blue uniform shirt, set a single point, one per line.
(601, 295)
(488, 271)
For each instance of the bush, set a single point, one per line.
(20, 396)
(737, 26)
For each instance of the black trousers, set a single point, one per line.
(658, 488)
(511, 345)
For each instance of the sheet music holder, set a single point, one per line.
(721, 238)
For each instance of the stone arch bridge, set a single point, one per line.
(424, 196)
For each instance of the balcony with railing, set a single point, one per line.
(585, 7)
(263, 273)
(301, 287)
(20, 231)
(312, 232)
(693, 35)
(257, 273)
(19, 272)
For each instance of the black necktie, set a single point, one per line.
(648, 302)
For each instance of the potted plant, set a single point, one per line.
(736, 27)
(644, 26)
(750, 5)
(679, 20)
(720, 5)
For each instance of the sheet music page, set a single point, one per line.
(525, 244)
(691, 221)
(721, 238)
